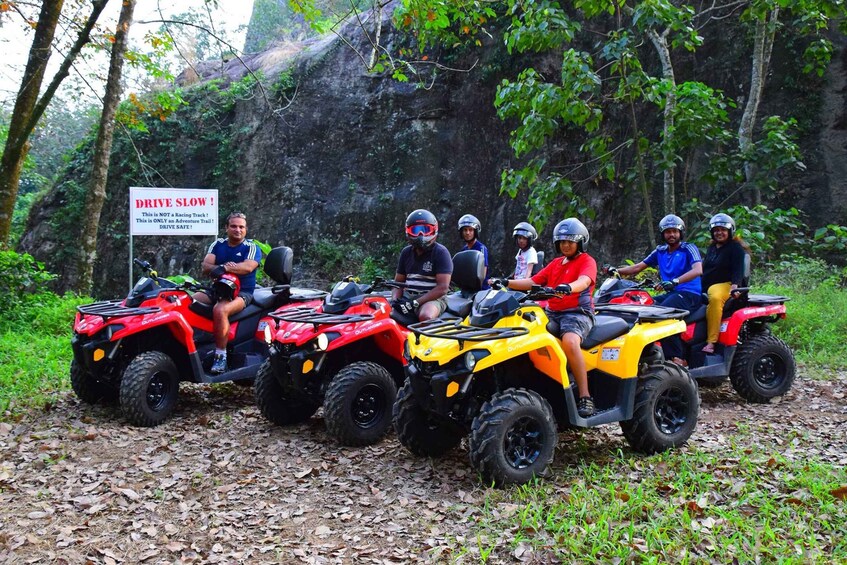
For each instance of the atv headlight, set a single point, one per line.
(268, 334)
(407, 353)
(470, 361)
(322, 342)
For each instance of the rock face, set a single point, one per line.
(332, 156)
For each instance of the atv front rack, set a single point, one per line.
(453, 329)
(114, 309)
(312, 316)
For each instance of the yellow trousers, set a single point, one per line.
(718, 295)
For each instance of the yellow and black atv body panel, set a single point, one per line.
(446, 356)
(501, 376)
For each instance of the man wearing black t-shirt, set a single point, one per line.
(425, 266)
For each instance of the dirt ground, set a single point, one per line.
(218, 483)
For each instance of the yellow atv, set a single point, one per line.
(501, 375)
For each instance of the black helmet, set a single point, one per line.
(525, 229)
(671, 222)
(421, 228)
(722, 221)
(470, 221)
(570, 229)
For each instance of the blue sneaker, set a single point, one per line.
(219, 365)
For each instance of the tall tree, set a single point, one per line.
(29, 107)
(102, 151)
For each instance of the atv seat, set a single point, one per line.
(538, 266)
(696, 315)
(605, 328)
(468, 275)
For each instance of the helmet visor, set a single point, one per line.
(570, 237)
(726, 225)
(416, 230)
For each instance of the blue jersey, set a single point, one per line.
(478, 246)
(244, 251)
(673, 265)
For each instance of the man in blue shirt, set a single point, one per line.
(680, 266)
(469, 228)
(239, 256)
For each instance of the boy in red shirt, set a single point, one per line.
(575, 275)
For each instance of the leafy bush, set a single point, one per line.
(771, 234)
(22, 275)
(332, 261)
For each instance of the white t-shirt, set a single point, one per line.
(524, 258)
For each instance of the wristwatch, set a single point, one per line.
(675, 282)
(415, 304)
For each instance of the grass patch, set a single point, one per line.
(816, 318)
(692, 506)
(35, 350)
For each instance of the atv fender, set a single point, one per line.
(729, 336)
(620, 356)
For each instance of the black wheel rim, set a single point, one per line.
(369, 406)
(158, 390)
(671, 410)
(769, 371)
(523, 442)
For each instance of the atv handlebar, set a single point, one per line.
(538, 292)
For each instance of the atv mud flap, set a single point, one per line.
(431, 392)
(294, 371)
(93, 354)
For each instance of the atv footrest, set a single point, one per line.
(312, 316)
(453, 329)
(114, 309)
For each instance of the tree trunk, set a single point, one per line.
(17, 142)
(660, 42)
(102, 152)
(762, 47)
(642, 180)
(28, 107)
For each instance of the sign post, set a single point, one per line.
(171, 211)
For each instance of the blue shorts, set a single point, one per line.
(570, 321)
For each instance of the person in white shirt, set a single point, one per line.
(525, 235)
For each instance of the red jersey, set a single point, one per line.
(562, 271)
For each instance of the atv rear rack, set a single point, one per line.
(307, 315)
(641, 312)
(114, 309)
(453, 329)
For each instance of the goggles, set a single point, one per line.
(425, 230)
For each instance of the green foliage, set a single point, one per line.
(331, 261)
(35, 351)
(771, 234)
(444, 22)
(816, 322)
(22, 275)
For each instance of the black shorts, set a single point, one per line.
(571, 321)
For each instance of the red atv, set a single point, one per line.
(347, 354)
(759, 365)
(139, 349)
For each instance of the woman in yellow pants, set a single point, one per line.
(723, 271)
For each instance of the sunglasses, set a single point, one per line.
(421, 229)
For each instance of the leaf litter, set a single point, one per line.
(217, 483)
